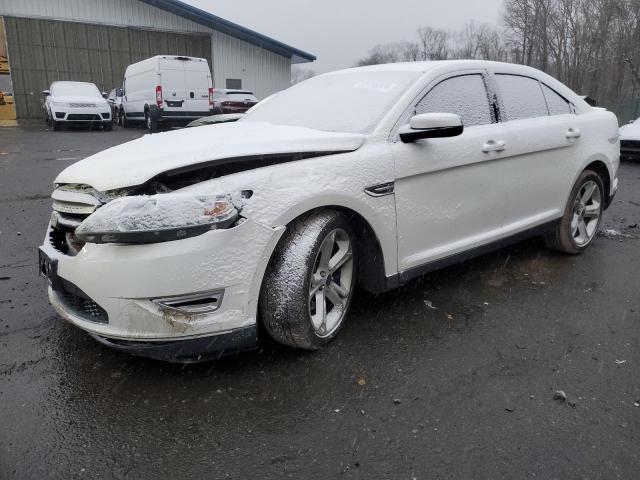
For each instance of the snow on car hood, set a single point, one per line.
(630, 131)
(79, 99)
(133, 163)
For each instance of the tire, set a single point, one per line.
(150, 122)
(108, 127)
(123, 119)
(582, 216)
(55, 126)
(298, 279)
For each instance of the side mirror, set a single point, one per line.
(46, 93)
(105, 95)
(119, 92)
(431, 125)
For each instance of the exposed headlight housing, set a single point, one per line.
(157, 218)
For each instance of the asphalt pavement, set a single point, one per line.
(452, 376)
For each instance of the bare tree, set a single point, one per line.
(434, 43)
(590, 45)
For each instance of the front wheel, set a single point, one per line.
(310, 281)
(583, 214)
(122, 119)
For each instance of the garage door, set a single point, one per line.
(43, 51)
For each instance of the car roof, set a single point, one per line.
(424, 67)
(57, 82)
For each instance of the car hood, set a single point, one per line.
(78, 99)
(133, 163)
(630, 131)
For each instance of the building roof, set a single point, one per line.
(233, 29)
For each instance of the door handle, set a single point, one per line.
(573, 133)
(493, 146)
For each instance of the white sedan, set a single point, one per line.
(177, 246)
(68, 103)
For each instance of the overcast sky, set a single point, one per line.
(339, 32)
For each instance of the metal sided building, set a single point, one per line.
(95, 40)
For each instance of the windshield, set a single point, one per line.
(350, 101)
(76, 89)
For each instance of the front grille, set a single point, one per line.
(630, 144)
(83, 117)
(62, 236)
(82, 105)
(79, 303)
(71, 205)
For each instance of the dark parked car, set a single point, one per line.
(232, 101)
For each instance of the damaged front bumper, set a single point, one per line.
(118, 293)
(188, 351)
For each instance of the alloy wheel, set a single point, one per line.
(587, 209)
(331, 285)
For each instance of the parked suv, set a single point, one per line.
(67, 103)
(165, 91)
(177, 245)
(233, 101)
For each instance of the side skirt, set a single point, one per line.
(402, 278)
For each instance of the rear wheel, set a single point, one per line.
(152, 123)
(310, 281)
(583, 214)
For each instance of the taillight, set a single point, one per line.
(211, 97)
(159, 96)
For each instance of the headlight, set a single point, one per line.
(59, 104)
(157, 218)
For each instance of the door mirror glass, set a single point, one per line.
(45, 93)
(432, 125)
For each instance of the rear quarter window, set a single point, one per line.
(556, 103)
(522, 97)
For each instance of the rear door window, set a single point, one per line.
(465, 96)
(557, 104)
(522, 97)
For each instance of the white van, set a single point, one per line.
(166, 90)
